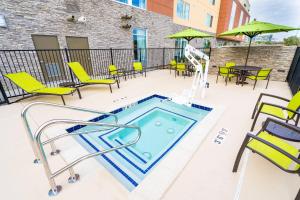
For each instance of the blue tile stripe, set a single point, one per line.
(127, 159)
(132, 152)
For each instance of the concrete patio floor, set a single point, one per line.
(206, 176)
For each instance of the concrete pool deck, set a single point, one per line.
(206, 176)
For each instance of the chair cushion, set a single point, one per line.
(273, 154)
(55, 91)
(272, 110)
(100, 81)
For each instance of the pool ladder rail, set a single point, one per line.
(38, 145)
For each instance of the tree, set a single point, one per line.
(292, 40)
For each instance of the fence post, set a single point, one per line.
(111, 56)
(68, 60)
(163, 57)
(2, 91)
(209, 52)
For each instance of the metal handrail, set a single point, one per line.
(30, 133)
(55, 189)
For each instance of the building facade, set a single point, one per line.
(233, 13)
(199, 14)
(99, 24)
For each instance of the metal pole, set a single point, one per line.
(248, 52)
(68, 60)
(3, 93)
(111, 56)
(163, 58)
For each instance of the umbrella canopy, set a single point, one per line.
(189, 34)
(255, 28)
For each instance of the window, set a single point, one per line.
(179, 46)
(241, 18)
(140, 44)
(209, 20)
(212, 2)
(232, 15)
(183, 9)
(135, 3)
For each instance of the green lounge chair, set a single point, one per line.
(32, 86)
(225, 72)
(290, 112)
(270, 143)
(263, 74)
(138, 68)
(85, 79)
(115, 72)
(178, 67)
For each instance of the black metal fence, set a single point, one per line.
(50, 66)
(294, 73)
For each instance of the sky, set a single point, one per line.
(284, 12)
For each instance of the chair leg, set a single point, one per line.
(239, 155)
(226, 79)
(110, 88)
(267, 83)
(298, 195)
(63, 100)
(79, 94)
(118, 84)
(217, 78)
(254, 84)
(255, 119)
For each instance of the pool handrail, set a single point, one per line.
(55, 189)
(30, 133)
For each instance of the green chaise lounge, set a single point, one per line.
(290, 112)
(32, 86)
(85, 79)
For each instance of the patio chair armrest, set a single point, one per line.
(255, 137)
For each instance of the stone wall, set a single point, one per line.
(277, 57)
(103, 26)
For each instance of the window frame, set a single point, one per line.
(183, 14)
(129, 3)
(146, 40)
(232, 15)
(211, 20)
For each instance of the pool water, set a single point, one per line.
(163, 124)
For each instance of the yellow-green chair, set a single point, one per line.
(270, 143)
(263, 74)
(225, 72)
(115, 72)
(138, 68)
(32, 86)
(287, 113)
(230, 64)
(178, 67)
(85, 79)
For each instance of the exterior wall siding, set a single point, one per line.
(103, 26)
(164, 7)
(224, 18)
(198, 11)
(275, 57)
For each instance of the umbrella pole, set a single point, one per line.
(248, 52)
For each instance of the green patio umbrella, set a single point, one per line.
(189, 34)
(255, 28)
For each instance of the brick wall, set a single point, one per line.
(103, 26)
(276, 57)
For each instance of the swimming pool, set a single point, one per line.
(163, 124)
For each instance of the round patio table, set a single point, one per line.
(243, 71)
